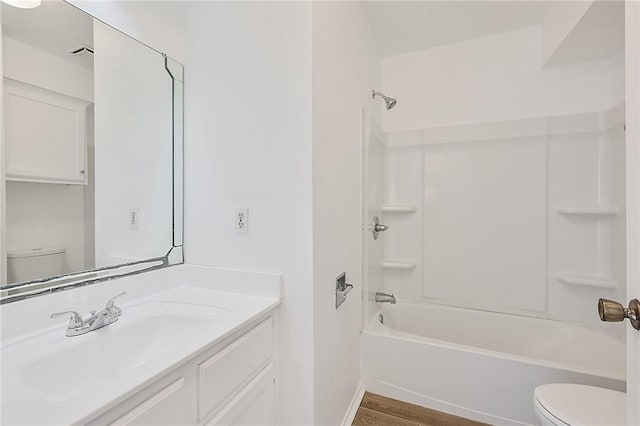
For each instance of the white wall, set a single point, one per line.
(155, 23)
(616, 92)
(561, 18)
(46, 215)
(133, 149)
(248, 144)
(580, 31)
(346, 67)
(493, 78)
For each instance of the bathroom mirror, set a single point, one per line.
(93, 152)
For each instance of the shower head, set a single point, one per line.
(391, 102)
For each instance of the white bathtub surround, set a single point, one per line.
(373, 202)
(484, 208)
(534, 209)
(482, 365)
(169, 316)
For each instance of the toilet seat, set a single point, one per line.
(566, 404)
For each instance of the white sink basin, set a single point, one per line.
(90, 361)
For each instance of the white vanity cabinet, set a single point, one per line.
(231, 383)
(45, 135)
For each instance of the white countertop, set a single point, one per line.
(168, 317)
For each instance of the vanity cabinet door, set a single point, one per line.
(45, 134)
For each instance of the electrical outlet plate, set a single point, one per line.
(241, 221)
(134, 218)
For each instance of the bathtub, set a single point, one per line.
(481, 365)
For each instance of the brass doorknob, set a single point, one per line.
(612, 311)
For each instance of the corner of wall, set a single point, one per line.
(337, 222)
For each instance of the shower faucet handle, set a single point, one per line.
(380, 228)
(376, 227)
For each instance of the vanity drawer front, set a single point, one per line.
(225, 373)
(166, 407)
(252, 406)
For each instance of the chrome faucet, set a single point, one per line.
(98, 319)
(383, 297)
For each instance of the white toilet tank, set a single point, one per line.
(31, 264)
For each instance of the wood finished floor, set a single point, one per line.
(380, 411)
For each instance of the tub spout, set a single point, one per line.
(385, 298)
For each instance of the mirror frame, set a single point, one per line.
(13, 292)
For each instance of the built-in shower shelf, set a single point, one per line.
(398, 209)
(587, 280)
(398, 264)
(589, 210)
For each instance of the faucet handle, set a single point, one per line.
(74, 322)
(110, 304)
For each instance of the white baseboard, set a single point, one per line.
(353, 407)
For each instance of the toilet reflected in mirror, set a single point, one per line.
(28, 265)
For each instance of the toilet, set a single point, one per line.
(31, 264)
(561, 404)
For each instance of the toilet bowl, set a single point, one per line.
(561, 404)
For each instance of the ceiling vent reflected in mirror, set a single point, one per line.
(55, 27)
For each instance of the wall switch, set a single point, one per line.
(241, 225)
(134, 218)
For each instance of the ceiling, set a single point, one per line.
(54, 26)
(406, 26)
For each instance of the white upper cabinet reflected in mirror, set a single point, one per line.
(89, 145)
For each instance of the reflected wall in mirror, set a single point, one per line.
(93, 147)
